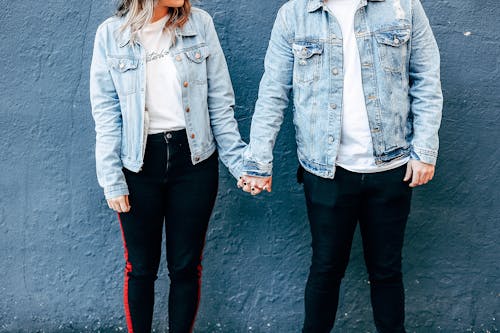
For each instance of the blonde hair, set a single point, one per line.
(138, 13)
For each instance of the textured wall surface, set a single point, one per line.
(61, 254)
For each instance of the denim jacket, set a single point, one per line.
(117, 93)
(401, 83)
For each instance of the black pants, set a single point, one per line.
(169, 190)
(381, 204)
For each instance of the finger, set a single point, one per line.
(267, 187)
(255, 191)
(270, 185)
(257, 185)
(246, 187)
(416, 179)
(428, 177)
(408, 172)
(127, 202)
(115, 206)
(240, 182)
(123, 205)
(109, 204)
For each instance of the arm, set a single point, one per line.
(220, 105)
(108, 122)
(426, 99)
(425, 88)
(273, 99)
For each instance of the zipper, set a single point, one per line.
(167, 136)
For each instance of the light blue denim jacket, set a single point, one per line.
(117, 94)
(401, 83)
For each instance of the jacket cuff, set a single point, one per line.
(424, 155)
(114, 191)
(257, 169)
(236, 171)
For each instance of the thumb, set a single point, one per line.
(269, 185)
(408, 172)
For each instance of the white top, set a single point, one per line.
(163, 87)
(356, 147)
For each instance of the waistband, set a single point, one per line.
(169, 136)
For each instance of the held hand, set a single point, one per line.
(119, 204)
(254, 185)
(420, 173)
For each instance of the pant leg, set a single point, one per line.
(142, 234)
(332, 211)
(191, 195)
(384, 211)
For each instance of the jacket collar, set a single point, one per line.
(314, 5)
(187, 30)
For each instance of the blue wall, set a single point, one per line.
(61, 253)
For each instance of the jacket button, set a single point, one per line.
(197, 55)
(186, 84)
(197, 159)
(335, 71)
(178, 58)
(192, 136)
(188, 109)
(333, 106)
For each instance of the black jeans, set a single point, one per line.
(168, 191)
(381, 204)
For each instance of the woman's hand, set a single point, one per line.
(119, 204)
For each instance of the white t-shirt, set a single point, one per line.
(356, 147)
(163, 87)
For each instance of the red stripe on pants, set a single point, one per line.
(128, 269)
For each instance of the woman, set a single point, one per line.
(162, 102)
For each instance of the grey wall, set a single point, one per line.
(61, 257)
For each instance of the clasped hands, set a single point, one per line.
(254, 185)
(418, 173)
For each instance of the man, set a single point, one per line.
(367, 109)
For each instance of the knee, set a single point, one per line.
(387, 276)
(326, 274)
(141, 272)
(186, 272)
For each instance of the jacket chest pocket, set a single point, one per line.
(197, 64)
(124, 73)
(307, 61)
(393, 48)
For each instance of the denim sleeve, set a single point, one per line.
(272, 101)
(221, 105)
(425, 88)
(108, 122)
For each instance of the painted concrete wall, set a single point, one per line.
(61, 255)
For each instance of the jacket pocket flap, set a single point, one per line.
(305, 50)
(122, 64)
(198, 55)
(395, 37)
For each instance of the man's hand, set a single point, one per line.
(254, 185)
(420, 173)
(119, 204)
